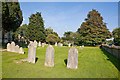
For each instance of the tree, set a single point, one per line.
(11, 17)
(21, 32)
(36, 30)
(93, 31)
(116, 35)
(50, 31)
(52, 38)
(70, 37)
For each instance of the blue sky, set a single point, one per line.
(68, 16)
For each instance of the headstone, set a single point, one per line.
(17, 49)
(8, 47)
(72, 61)
(21, 51)
(49, 59)
(30, 42)
(35, 43)
(56, 44)
(39, 44)
(60, 44)
(31, 53)
(12, 47)
(69, 45)
(82, 46)
(43, 44)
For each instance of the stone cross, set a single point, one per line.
(72, 61)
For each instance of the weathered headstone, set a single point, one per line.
(35, 43)
(69, 45)
(72, 61)
(17, 49)
(43, 44)
(49, 58)
(21, 51)
(56, 44)
(60, 44)
(39, 44)
(12, 47)
(82, 46)
(8, 47)
(31, 53)
(30, 42)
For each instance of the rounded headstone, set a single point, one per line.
(8, 47)
(21, 51)
(13, 47)
(72, 61)
(49, 58)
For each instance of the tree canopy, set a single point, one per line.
(11, 16)
(93, 31)
(21, 32)
(116, 35)
(36, 30)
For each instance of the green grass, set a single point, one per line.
(0, 64)
(93, 63)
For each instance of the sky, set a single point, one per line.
(68, 16)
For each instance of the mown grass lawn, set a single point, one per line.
(93, 63)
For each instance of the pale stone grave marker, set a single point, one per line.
(12, 47)
(72, 61)
(8, 47)
(31, 53)
(49, 58)
(21, 51)
(56, 44)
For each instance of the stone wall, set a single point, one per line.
(114, 50)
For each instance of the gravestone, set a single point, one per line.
(72, 61)
(17, 49)
(35, 43)
(56, 44)
(30, 42)
(60, 44)
(12, 47)
(39, 44)
(49, 58)
(21, 51)
(31, 53)
(8, 47)
(43, 44)
(69, 45)
(82, 46)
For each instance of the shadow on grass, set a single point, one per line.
(65, 61)
(112, 58)
(36, 59)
